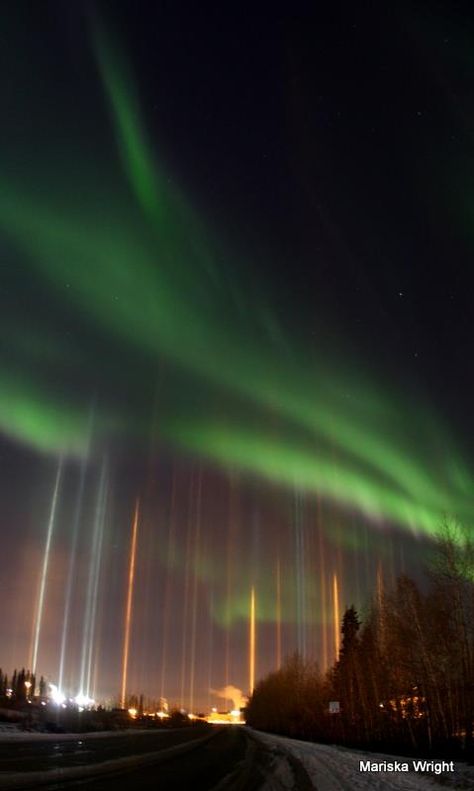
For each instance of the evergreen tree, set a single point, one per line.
(14, 683)
(347, 671)
(20, 686)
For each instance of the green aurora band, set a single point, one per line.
(138, 266)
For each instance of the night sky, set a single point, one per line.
(236, 304)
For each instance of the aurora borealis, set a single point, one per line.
(174, 346)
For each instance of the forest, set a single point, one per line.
(404, 677)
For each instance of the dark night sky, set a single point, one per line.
(333, 147)
(327, 154)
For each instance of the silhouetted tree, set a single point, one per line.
(452, 605)
(14, 683)
(345, 675)
(290, 700)
(404, 679)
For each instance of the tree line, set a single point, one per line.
(20, 687)
(404, 677)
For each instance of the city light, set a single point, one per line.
(252, 641)
(83, 700)
(55, 695)
(128, 609)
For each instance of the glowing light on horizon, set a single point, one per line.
(300, 574)
(278, 615)
(56, 695)
(128, 609)
(71, 572)
(322, 590)
(187, 587)
(197, 535)
(83, 701)
(252, 643)
(93, 584)
(170, 552)
(44, 569)
(336, 615)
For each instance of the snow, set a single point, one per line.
(332, 768)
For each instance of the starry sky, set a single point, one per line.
(236, 290)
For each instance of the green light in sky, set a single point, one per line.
(145, 279)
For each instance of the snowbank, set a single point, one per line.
(333, 768)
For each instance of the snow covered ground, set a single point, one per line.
(337, 769)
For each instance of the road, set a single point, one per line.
(38, 755)
(202, 758)
(225, 757)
